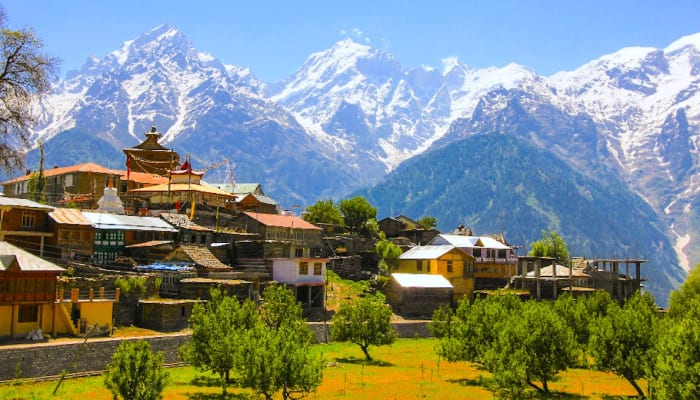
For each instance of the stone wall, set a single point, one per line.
(50, 359)
(37, 360)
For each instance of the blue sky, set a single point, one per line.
(274, 37)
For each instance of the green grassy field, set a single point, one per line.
(408, 369)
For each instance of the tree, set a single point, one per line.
(276, 350)
(364, 321)
(324, 211)
(534, 345)
(427, 222)
(623, 341)
(217, 329)
(135, 373)
(466, 334)
(678, 357)
(37, 180)
(356, 213)
(686, 294)
(25, 74)
(551, 245)
(388, 252)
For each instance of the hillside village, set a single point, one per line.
(64, 259)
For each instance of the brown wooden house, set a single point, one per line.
(24, 223)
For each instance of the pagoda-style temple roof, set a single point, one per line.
(150, 156)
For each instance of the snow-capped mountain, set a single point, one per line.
(362, 101)
(351, 114)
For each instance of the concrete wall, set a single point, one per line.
(36, 360)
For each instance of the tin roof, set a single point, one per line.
(182, 187)
(281, 221)
(426, 252)
(69, 216)
(12, 256)
(127, 222)
(421, 280)
(562, 272)
(23, 203)
(469, 241)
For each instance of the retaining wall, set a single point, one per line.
(50, 359)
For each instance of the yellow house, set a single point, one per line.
(446, 260)
(29, 303)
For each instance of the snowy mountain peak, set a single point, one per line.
(685, 41)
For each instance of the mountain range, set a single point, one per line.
(617, 137)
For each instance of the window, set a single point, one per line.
(28, 313)
(68, 180)
(299, 252)
(318, 268)
(419, 265)
(449, 266)
(27, 219)
(476, 252)
(303, 268)
(502, 253)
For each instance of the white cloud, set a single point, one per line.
(356, 34)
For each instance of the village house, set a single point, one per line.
(404, 227)
(25, 223)
(448, 261)
(31, 305)
(73, 235)
(417, 295)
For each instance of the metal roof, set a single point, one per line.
(23, 203)
(282, 221)
(562, 272)
(426, 252)
(26, 261)
(127, 222)
(421, 280)
(469, 241)
(69, 216)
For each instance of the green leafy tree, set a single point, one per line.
(37, 180)
(25, 74)
(678, 357)
(427, 222)
(364, 321)
(357, 212)
(217, 329)
(325, 212)
(466, 334)
(551, 245)
(135, 373)
(534, 345)
(686, 294)
(388, 252)
(276, 351)
(623, 341)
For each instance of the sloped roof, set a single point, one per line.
(183, 221)
(140, 177)
(69, 216)
(12, 255)
(562, 272)
(469, 241)
(85, 167)
(426, 252)
(421, 280)
(203, 257)
(258, 197)
(23, 203)
(281, 220)
(127, 222)
(182, 187)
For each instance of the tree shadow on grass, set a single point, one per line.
(478, 382)
(360, 361)
(219, 396)
(206, 381)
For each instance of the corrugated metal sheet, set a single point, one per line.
(421, 280)
(25, 260)
(469, 241)
(562, 272)
(127, 222)
(23, 203)
(69, 216)
(426, 252)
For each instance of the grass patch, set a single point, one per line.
(407, 369)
